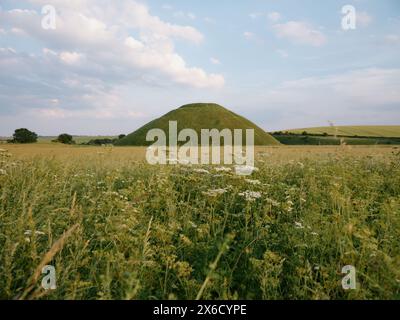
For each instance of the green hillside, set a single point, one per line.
(199, 116)
(352, 131)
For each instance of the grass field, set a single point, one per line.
(77, 139)
(315, 140)
(351, 131)
(115, 227)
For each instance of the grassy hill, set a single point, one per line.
(199, 116)
(353, 131)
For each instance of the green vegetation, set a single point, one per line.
(306, 139)
(77, 139)
(199, 116)
(115, 228)
(24, 136)
(65, 138)
(353, 131)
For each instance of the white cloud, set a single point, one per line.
(248, 35)
(282, 53)
(255, 15)
(363, 19)
(274, 16)
(167, 6)
(300, 32)
(215, 61)
(372, 93)
(100, 32)
(392, 39)
(184, 15)
(251, 36)
(71, 57)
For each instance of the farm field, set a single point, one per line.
(115, 227)
(353, 131)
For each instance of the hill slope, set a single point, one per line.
(351, 131)
(199, 116)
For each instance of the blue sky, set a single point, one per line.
(109, 67)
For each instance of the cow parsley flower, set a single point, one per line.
(250, 195)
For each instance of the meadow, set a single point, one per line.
(115, 227)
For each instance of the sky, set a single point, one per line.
(108, 67)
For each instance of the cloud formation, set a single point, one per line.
(300, 32)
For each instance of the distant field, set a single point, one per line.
(351, 131)
(315, 140)
(77, 139)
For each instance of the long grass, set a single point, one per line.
(115, 227)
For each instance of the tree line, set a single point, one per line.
(24, 135)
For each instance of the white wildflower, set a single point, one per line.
(29, 233)
(250, 195)
(298, 225)
(245, 170)
(273, 202)
(215, 193)
(314, 233)
(201, 171)
(3, 172)
(254, 182)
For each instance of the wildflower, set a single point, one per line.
(3, 172)
(254, 182)
(193, 224)
(215, 193)
(250, 195)
(245, 170)
(272, 202)
(314, 233)
(29, 233)
(223, 169)
(201, 171)
(298, 225)
(183, 269)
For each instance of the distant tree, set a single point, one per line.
(100, 142)
(24, 136)
(65, 138)
(325, 134)
(121, 136)
(305, 133)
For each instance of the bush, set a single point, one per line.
(65, 138)
(24, 136)
(121, 136)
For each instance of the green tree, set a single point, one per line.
(65, 138)
(121, 136)
(24, 136)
